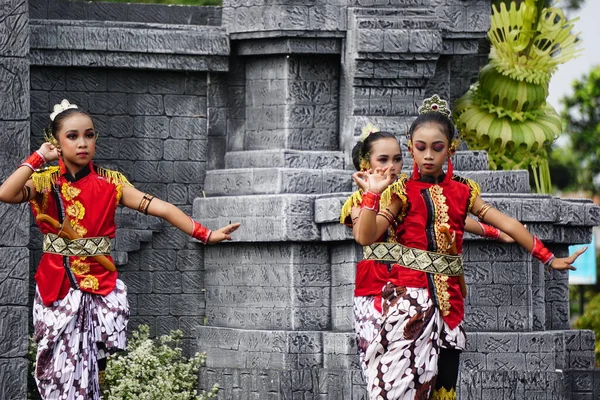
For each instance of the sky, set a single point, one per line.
(589, 26)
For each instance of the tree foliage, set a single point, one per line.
(581, 116)
(591, 320)
(570, 5)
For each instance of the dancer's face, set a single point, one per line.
(430, 148)
(77, 139)
(385, 152)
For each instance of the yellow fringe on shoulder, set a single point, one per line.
(475, 192)
(43, 179)
(397, 189)
(443, 394)
(114, 177)
(353, 201)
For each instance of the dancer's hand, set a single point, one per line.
(376, 180)
(223, 233)
(566, 262)
(49, 151)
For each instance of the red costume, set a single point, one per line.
(90, 199)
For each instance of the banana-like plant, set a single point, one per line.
(505, 112)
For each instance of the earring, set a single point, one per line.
(48, 137)
(364, 165)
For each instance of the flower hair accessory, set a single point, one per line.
(435, 104)
(367, 130)
(62, 106)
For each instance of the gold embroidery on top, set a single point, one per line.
(440, 209)
(76, 210)
(79, 228)
(80, 267)
(69, 192)
(441, 285)
(90, 282)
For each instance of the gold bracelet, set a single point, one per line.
(483, 210)
(387, 215)
(145, 203)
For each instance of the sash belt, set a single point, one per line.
(420, 260)
(94, 246)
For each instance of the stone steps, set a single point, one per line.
(284, 158)
(495, 351)
(255, 181)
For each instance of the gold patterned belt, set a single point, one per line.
(93, 246)
(420, 260)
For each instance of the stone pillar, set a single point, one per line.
(14, 256)
(279, 298)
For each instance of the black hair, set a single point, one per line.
(442, 120)
(55, 125)
(363, 148)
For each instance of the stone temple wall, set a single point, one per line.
(256, 106)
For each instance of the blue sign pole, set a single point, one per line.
(585, 264)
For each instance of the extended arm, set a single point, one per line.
(517, 231)
(133, 198)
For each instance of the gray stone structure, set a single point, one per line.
(256, 105)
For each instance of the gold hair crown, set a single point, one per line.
(435, 104)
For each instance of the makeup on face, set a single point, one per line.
(430, 149)
(385, 152)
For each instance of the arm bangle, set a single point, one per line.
(483, 210)
(540, 252)
(370, 201)
(489, 231)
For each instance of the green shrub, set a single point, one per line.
(591, 320)
(154, 369)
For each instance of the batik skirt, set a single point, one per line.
(72, 335)
(367, 321)
(402, 359)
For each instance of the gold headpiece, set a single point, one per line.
(367, 130)
(435, 104)
(364, 158)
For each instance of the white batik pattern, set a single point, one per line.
(68, 334)
(402, 359)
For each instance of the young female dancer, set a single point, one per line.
(421, 331)
(377, 149)
(80, 309)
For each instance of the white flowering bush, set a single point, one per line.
(154, 370)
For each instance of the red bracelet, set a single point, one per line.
(489, 231)
(370, 201)
(540, 252)
(34, 161)
(200, 232)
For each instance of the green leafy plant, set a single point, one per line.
(506, 112)
(154, 369)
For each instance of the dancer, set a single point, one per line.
(80, 309)
(421, 332)
(377, 149)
